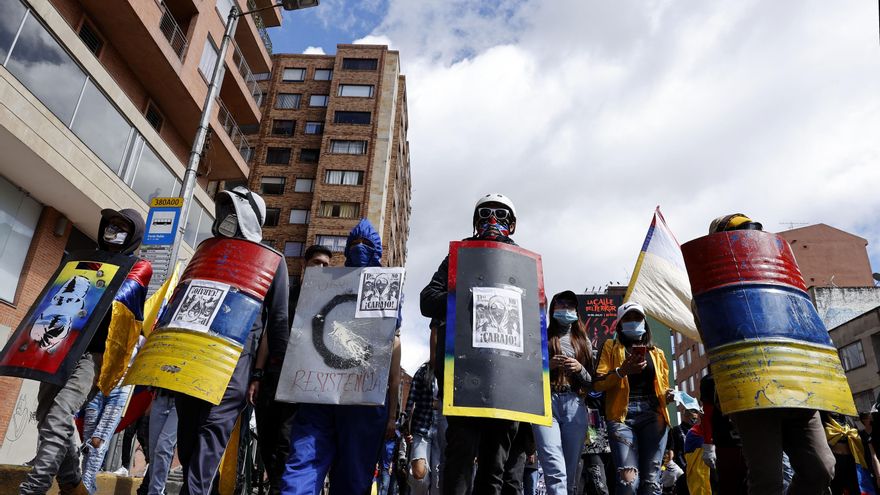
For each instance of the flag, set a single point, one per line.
(660, 281)
(157, 302)
(836, 432)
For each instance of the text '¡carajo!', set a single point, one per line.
(321, 381)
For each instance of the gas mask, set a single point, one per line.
(229, 226)
(113, 234)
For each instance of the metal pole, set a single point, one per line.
(195, 156)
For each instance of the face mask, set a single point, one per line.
(359, 255)
(634, 329)
(114, 235)
(490, 228)
(229, 226)
(565, 316)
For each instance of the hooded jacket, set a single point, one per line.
(360, 255)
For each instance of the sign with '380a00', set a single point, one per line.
(162, 221)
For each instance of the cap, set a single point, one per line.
(626, 307)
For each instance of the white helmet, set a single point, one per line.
(497, 198)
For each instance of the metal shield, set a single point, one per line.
(496, 363)
(61, 323)
(767, 345)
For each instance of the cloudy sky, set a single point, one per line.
(588, 114)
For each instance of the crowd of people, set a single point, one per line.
(610, 433)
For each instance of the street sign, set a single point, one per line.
(162, 221)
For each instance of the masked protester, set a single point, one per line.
(487, 440)
(344, 440)
(119, 232)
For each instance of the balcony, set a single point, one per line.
(172, 32)
(249, 80)
(227, 122)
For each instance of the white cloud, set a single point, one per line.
(314, 50)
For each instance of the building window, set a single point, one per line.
(689, 357)
(344, 177)
(262, 76)
(345, 117)
(304, 185)
(272, 217)
(293, 249)
(89, 35)
(283, 127)
(249, 128)
(360, 63)
(702, 348)
(287, 101)
(681, 362)
(852, 356)
(335, 243)
(314, 127)
(318, 100)
(293, 75)
(309, 155)
(299, 216)
(864, 400)
(272, 185)
(356, 90)
(268, 242)
(340, 210)
(209, 59)
(323, 74)
(704, 372)
(19, 215)
(247, 153)
(677, 337)
(691, 383)
(223, 8)
(154, 117)
(278, 156)
(348, 147)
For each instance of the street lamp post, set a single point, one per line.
(195, 155)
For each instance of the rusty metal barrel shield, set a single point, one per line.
(767, 346)
(201, 334)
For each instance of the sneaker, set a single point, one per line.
(121, 472)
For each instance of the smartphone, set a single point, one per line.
(640, 351)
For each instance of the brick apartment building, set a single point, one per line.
(332, 149)
(99, 103)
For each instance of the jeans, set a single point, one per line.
(429, 448)
(638, 444)
(102, 415)
(163, 439)
(593, 477)
(530, 481)
(560, 444)
(274, 420)
(486, 439)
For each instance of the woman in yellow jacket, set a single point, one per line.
(635, 378)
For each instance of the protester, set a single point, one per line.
(870, 453)
(485, 439)
(344, 440)
(670, 473)
(852, 473)
(571, 358)
(427, 428)
(119, 232)
(274, 418)
(698, 472)
(162, 441)
(522, 454)
(722, 449)
(204, 429)
(597, 452)
(635, 377)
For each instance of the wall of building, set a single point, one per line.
(830, 257)
(863, 380)
(837, 305)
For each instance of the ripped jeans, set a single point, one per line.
(638, 443)
(102, 416)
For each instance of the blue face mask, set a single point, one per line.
(360, 255)
(633, 329)
(565, 316)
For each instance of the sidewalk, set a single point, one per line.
(12, 476)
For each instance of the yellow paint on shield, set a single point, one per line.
(122, 336)
(193, 363)
(769, 374)
(228, 472)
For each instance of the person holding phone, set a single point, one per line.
(635, 377)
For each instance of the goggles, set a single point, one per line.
(499, 213)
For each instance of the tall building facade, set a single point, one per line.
(332, 149)
(99, 104)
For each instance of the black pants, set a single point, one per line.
(485, 440)
(274, 420)
(513, 469)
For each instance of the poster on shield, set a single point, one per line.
(340, 348)
(497, 318)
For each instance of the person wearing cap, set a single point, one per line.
(204, 429)
(635, 378)
(571, 359)
(119, 232)
(487, 440)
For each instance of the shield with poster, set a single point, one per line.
(342, 336)
(61, 323)
(496, 363)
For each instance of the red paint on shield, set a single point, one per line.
(250, 266)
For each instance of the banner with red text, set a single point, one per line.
(597, 313)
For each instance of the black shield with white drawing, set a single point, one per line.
(334, 356)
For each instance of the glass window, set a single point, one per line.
(223, 8)
(11, 14)
(702, 348)
(272, 216)
(681, 362)
(691, 383)
(247, 153)
(299, 216)
(262, 76)
(304, 185)
(209, 58)
(287, 101)
(314, 127)
(19, 215)
(293, 75)
(152, 178)
(308, 155)
(704, 372)
(198, 225)
(323, 74)
(361, 118)
(677, 338)
(318, 100)
(278, 156)
(356, 90)
(293, 249)
(344, 177)
(335, 243)
(100, 125)
(852, 356)
(272, 185)
(864, 400)
(39, 62)
(340, 210)
(360, 63)
(205, 224)
(689, 357)
(348, 147)
(283, 127)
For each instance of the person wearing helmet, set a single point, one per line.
(203, 429)
(487, 440)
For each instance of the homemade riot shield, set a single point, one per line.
(767, 346)
(342, 336)
(201, 334)
(496, 334)
(61, 323)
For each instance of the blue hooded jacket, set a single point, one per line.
(361, 255)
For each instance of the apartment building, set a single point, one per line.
(99, 104)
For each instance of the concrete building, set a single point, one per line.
(99, 103)
(858, 343)
(333, 149)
